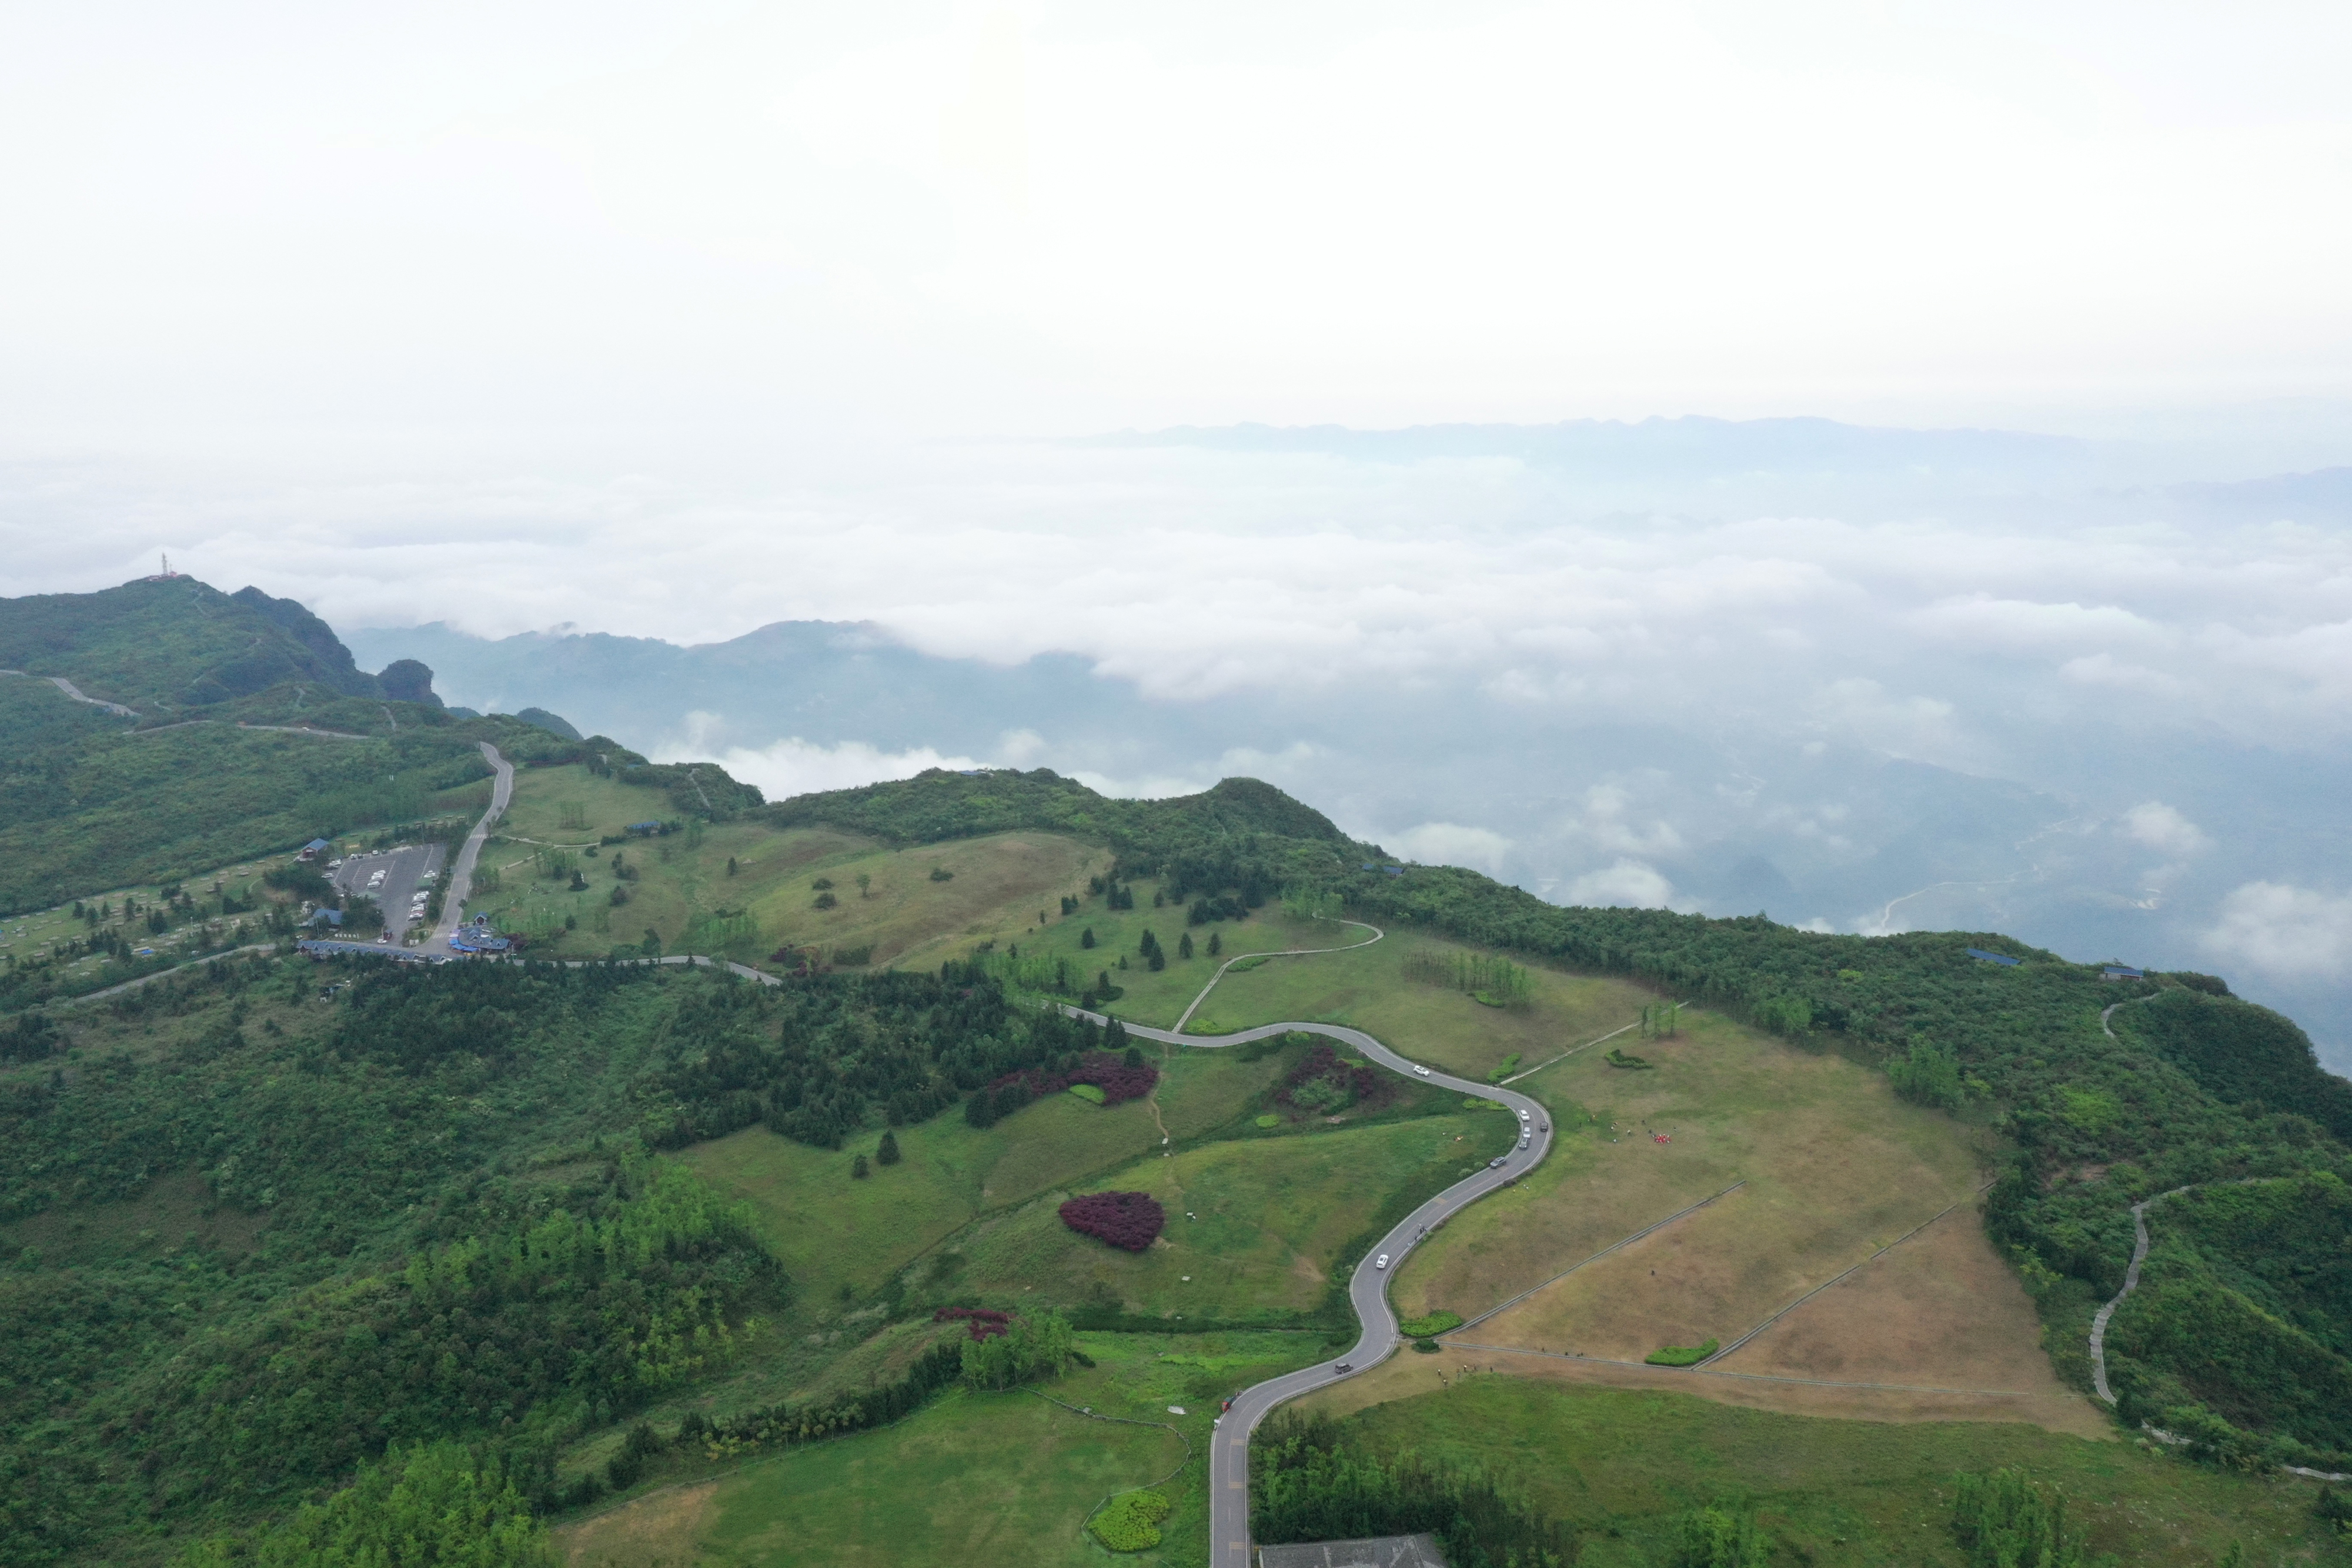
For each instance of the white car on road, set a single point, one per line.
(1382, 1262)
(1422, 1071)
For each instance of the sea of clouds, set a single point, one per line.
(2117, 716)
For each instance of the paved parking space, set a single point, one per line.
(393, 878)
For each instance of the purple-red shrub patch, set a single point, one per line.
(985, 1323)
(1106, 1069)
(1129, 1219)
(1365, 1086)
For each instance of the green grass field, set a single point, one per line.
(994, 887)
(1369, 987)
(832, 1230)
(1254, 1226)
(973, 1478)
(1158, 999)
(1624, 1464)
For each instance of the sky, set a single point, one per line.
(441, 236)
(673, 322)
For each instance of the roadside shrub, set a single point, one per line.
(1617, 1058)
(1426, 1347)
(1682, 1355)
(1436, 1322)
(1325, 1082)
(1130, 1221)
(1130, 1523)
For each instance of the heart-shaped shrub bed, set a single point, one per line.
(1129, 1219)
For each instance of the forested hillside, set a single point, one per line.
(2195, 1087)
(172, 643)
(415, 1207)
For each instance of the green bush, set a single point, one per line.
(1269, 1120)
(1036, 1348)
(1617, 1058)
(1722, 1538)
(1436, 1322)
(1426, 1347)
(1130, 1523)
(1681, 1355)
(2005, 1517)
(1509, 1065)
(431, 1504)
(1091, 1093)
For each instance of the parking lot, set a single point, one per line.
(393, 878)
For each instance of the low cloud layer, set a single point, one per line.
(793, 767)
(2089, 716)
(2286, 931)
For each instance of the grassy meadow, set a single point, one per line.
(1158, 999)
(1626, 1463)
(1254, 1225)
(832, 1230)
(993, 888)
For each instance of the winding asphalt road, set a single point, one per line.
(461, 873)
(1229, 1544)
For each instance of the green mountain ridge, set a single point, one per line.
(206, 772)
(254, 1233)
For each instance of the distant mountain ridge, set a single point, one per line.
(172, 642)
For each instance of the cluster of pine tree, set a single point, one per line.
(817, 1061)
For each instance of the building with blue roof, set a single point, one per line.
(1981, 956)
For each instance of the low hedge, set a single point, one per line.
(1428, 1327)
(1681, 1355)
